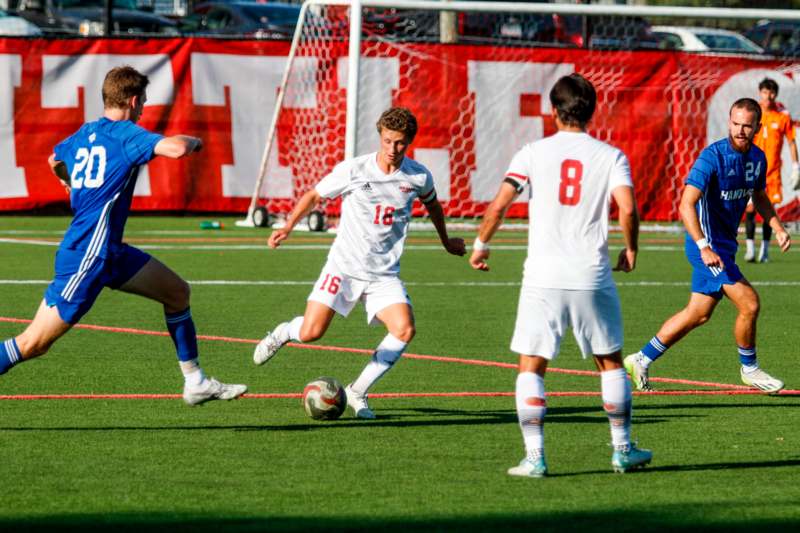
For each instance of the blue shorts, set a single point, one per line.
(709, 281)
(79, 279)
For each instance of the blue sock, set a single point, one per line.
(9, 355)
(181, 329)
(747, 356)
(654, 349)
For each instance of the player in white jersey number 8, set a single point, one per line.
(567, 280)
(377, 190)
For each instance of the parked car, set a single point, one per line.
(272, 20)
(16, 26)
(520, 28)
(86, 17)
(781, 38)
(698, 39)
(608, 32)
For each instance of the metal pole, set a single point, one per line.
(354, 63)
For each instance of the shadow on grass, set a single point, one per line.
(395, 418)
(613, 520)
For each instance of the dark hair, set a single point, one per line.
(398, 119)
(120, 84)
(574, 99)
(769, 84)
(748, 104)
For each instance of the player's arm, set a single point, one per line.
(59, 168)
(453, 245)
(178, 146)
(688, 212)
(765, 208)
(492, 218)
(629, 222)
(304, 206)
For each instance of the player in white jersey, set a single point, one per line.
(377, 191)
(567, 280)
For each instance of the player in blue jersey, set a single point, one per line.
(722, 180)
(99, 165)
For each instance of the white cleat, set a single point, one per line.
(761, 380)
(211, 389)
(358, 403)
(536, 467)
(269, 345)
(638, 372)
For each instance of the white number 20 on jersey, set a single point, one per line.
(90, 168)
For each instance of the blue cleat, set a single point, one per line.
(528, 467)
(630, 458)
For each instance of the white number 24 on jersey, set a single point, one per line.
(90, 168)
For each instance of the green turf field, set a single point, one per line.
(725, 462)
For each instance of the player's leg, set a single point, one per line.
(386, 302)
(746, 300)
(46, 327)
(696, 313)
(542, 320)
(137, 273)
(750, 232)
(766, 232)
(333, 293)
(399, 321)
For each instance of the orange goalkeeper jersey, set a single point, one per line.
(774, 126)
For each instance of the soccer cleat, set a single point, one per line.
(358, 403)
(211, 389)
(630, 458)
(528, 467)
(637, 371)
(268, 346)
(761, 380)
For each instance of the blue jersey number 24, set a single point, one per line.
(90, 168)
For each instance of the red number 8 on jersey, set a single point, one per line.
(569, 191)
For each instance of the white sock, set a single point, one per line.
(764, 248)
(748, 369)
(531, 409)
(383, 358)
(292, 332)
(617, 403)
(193, 375)
(751, 246)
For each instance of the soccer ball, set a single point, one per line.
(324, 399)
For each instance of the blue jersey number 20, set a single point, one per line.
(90, 168)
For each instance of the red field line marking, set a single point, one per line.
(385, 395)
(439, 358)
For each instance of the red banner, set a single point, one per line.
(476, 106)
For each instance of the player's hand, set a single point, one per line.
(478, 260)
(455, 246)
(784, 240)
(626, 261)
(198, 144)
(277, 237)
(710, 258)
(66, 186)
(795, 176)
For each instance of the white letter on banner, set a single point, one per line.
(12, 177)
(253, 82)
(63, 75)
(378, 78)
(500, 130)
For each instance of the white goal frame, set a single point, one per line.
(354, 57)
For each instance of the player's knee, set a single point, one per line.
(183, 293)
(405, 333)
(751, 308)
(311, 332)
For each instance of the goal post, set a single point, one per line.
(477, 75)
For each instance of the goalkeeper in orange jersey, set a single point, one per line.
(775, 125)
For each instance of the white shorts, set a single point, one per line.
(341, 293)
(543, 316)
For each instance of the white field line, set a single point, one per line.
(278, 283)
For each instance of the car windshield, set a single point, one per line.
(69, 4)
(272, 14)
(716, 41)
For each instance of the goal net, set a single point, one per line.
(477, 75)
